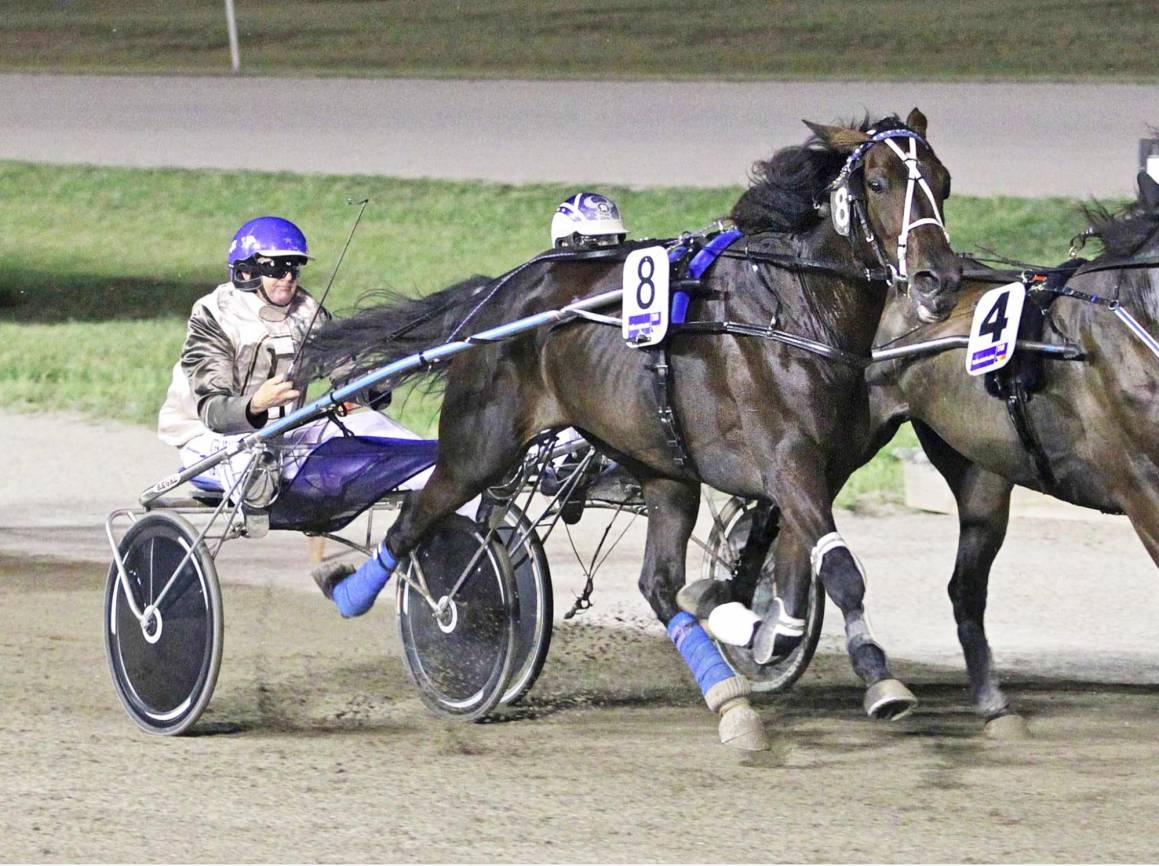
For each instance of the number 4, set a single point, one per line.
(995, 322)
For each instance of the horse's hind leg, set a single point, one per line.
(983, 513)
(672, 507)
(475, 450)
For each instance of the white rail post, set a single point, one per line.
(231, 24)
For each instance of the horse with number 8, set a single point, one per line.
(768, 390)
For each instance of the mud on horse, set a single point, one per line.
(766, 383)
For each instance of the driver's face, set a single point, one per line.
(280, 290)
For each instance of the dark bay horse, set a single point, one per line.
(760, 417)
(1096, 422)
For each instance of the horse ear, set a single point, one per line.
(1148, 192)
(917, 122)
(840, 138)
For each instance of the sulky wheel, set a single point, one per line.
(536, 603)
(458, 610)
(165, 663)
(725, 543)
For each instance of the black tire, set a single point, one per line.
(462, 662)
(725, 543)
(536, 602)
(164, 672)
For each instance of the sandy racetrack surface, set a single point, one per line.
(315, 747)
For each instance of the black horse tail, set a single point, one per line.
(374, 336)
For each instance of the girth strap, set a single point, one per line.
(1013, 394)
(662, 385)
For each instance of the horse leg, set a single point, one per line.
(474, 453)
(983, 500)
(672, 508)
(807, 508)
(717, 604)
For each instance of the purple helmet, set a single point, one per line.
(268, 236)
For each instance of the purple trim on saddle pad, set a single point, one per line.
(344, 476)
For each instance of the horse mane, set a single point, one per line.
(1124, 231)
(785, 189)
(1128, 231)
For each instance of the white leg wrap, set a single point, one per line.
(727, 691)
(859, 630)
(829, 542)
(733, 623)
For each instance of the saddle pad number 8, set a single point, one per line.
(995, 329)
(645, 302)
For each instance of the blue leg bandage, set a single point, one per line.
(356, 594)
(698, 651)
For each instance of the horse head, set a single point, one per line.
(888, 196)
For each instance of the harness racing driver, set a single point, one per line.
(233, 374)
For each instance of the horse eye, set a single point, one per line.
(875, 186)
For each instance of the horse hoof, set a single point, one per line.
(701, 597)
(741, 728)
(889, 700)
(1008, 727)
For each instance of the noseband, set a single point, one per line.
(844, 202)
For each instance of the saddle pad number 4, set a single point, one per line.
(995, 329)
(645, 302)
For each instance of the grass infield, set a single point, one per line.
(100, 266)
(670, 39)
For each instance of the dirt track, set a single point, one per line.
(316, 748)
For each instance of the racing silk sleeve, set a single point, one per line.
(209, 361)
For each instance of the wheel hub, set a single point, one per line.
(151, 624)
(447, 614)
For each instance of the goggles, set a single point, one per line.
(275, 268)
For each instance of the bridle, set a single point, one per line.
(847, 207)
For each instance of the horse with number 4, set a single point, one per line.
(1062, 398)
(757, 389)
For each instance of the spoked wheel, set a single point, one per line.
(725, 544)
(458, 609)
(536, 603)
(165, 663)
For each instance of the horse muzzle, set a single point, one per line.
(935, 292)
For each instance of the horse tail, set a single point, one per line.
(378, 335)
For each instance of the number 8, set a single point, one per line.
(841, 207)
(645, 281)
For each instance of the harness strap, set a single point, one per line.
(1014, 395)
(662, 386)
(797, 263)
(738, 329)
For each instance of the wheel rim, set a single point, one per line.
(460, 659)
(533, 585)
(161, 668)
(731, 535)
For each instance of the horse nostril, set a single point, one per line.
(926, 282)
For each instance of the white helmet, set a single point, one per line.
(587, 219)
